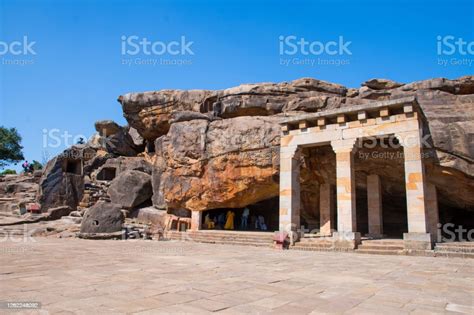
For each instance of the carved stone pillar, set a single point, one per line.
(289, 189)
(346, 236)
(196, 219)
(415, 184)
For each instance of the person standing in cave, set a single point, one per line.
(221, 221)
(244, 219)
(229, 224)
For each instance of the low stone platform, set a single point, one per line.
(260, 239)
(388, 247)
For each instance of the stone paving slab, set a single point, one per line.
(73, 276)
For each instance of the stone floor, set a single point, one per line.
(72, 276)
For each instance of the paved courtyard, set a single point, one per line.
(72, 276)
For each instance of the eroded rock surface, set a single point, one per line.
(204, 163)
(220, 149)
(225, 163)
(103, 217)
(130, 189)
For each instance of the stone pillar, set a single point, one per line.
(326, 210)
(346, 236)
(417, 237)
(289, 189)
(196, 219)
(374, 202)
(431, 198)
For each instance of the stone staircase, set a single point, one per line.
(259, 239)
(313, 244)
(381, 247)
(93, 193)
(455, 249)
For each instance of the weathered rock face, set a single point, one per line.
(107, 128)
(123, 144)
(151, 112)
(217, 149)
(16, 191)
(115, 166)
(62, 183)
(130, 189)
(150, 215)
(103, 217)
(225, 163)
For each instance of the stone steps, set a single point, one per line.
(455, 249)
(381, 247)
(313, 244)
(450, 254)
(230, 238)
(379, 251)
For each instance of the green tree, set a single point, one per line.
(8, 172)
(10, 146)
(36, 165)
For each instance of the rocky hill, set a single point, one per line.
(220, 149)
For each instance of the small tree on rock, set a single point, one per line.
(10, 146)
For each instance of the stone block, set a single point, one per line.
(408, 108)
(362, 115)
(384, 112)
(417, 241)
(341, 119)
(303, 124)
(346, 240)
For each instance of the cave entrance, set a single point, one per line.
(318, 213)
(381, 195)
(456, 221)
(107, 173)
(379, 181)
(263, 217)
(73, 166)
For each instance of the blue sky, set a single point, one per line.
(77, 72)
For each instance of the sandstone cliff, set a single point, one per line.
(217, 149)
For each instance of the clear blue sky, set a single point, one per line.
(77, 72)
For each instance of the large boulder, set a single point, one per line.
(150, 215)
(152, 113)
(381, 84)
(103, 217)
(122, 143)
(112, 167)
(62, 182)
(130, 189)
(107, 128)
